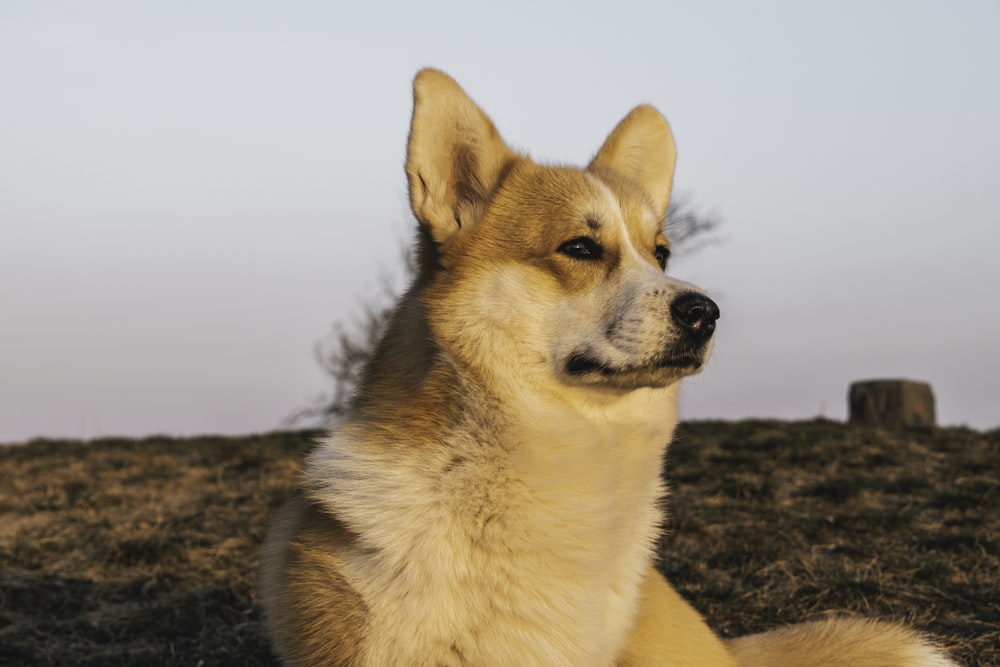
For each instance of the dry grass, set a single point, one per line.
(123, 552)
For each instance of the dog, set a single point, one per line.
(493, 496)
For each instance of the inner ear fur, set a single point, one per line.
(455, 156)
(641, 148)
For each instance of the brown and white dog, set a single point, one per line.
(494, 495)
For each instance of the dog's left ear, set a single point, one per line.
(641, 148)
(455, 156)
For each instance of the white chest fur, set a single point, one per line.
(522, 549)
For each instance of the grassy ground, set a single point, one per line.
(125, 552)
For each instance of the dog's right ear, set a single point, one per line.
(455, 157)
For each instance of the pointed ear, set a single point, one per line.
(455, 156)
(641, 148)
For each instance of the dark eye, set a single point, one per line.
(582, 248)
(662, 255)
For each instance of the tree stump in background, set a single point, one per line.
(892, 403)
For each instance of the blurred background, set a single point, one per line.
(194, 195)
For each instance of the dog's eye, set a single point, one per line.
(662, 255)
(582, 248)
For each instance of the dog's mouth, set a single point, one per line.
(588, 369)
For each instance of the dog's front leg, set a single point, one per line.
(668, 631)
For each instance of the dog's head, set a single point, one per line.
(538, 275)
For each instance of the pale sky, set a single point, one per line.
(192, 194)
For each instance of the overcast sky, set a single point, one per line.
(192, 194)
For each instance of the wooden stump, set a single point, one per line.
(892, 403)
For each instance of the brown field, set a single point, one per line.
(144, 552)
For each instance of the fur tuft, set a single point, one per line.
(839, 642)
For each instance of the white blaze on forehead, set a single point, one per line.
(617, 217)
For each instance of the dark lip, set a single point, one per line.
(582, 364)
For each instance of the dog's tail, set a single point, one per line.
(839, 642)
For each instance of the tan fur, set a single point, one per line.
(304, 584)
(668, 631)
(839, 642)
(493, 497)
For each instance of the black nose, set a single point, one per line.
(696, 313)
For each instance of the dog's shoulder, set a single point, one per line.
(304, 589)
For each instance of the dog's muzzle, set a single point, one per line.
(692, 323)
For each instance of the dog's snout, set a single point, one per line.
(696, 313)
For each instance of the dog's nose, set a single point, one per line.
(696, 313)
